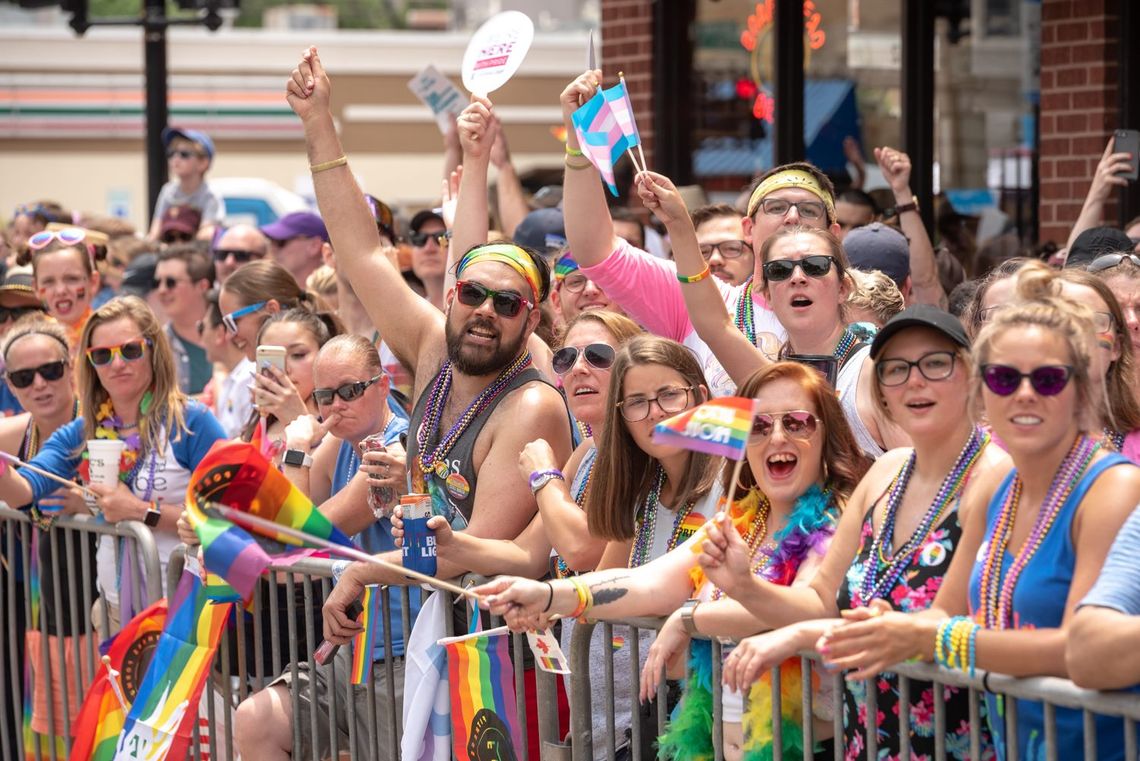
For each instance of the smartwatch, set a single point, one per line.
(153, 515)
(297, 459)
(687, 611)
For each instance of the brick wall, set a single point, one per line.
(1079, 51)
(627, 46)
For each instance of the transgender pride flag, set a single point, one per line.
(606, 129)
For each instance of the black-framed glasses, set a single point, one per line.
(934, 366)
(1103, 322)
(799, 424)
(1108, 261)
(505, 303)
(728, 249)
(597, 355)
(182, 153)
(670, 400)
(15, 313)
(240, 257)
(347, 391)
(130, 351)
(575, 282)
(420, 239)
(816, 265)
(778, 207)
(1047, 380)
(49, 371)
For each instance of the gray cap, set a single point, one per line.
(879, 247)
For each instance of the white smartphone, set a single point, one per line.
(268, 354)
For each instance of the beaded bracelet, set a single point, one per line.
(572, 165)
(573, 151)
(314, 168)
(973, 647)
(695, 278)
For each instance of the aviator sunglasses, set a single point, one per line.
(129, 351)
(506, 303)
(51, 371)
(799, 424)
(596, 355)
(816, 265)
(1047, 380)
(347, 392)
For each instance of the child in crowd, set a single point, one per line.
(189, 154)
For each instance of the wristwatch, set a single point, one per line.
(297, 459)
(153, 515)
(898, 209)
(541, 478)
(687, 611)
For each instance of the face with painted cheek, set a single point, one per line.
(1126, 289)
(64, 285)
(1104, 327)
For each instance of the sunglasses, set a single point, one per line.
(934, 366)
(728, 249)
(799, 424)
(419, 239)
(347, 392)
(1108, 261)
(129, 351)
(15, 313)
(170, 282)
(183, 154)
(600, 356)
(1047, 380)
(177, 237)
(505, 303)
(230, 320)
(52, 371)
(69, 236)
(816, 265)
(241, 257)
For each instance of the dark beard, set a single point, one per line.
(474, 362)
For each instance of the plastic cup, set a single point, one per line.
(382, 499)
(104, 456)
(419, 540)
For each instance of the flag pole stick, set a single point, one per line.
(270, 529)
(634, 159)
(732, 486)
(113, 678)
(48, 474)
(644, 167)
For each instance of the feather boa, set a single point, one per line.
(689, 734)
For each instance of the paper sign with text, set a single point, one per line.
(438, 93)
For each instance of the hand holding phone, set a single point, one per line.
(268, 354)
(1128, 141)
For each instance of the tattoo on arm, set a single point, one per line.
(605, 592)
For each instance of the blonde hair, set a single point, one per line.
(168, 406)
(876, 293)
(617, 325)
(36, 326)
(322, 281)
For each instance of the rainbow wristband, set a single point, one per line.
(695, 278)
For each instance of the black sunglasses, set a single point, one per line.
(177, 237)
(15, 313)
(347, 392)
(241, 257)
(816, 265)
(1047, 380)
(183, 154)
(506, 303)
(170, 282)
(52, 371)
(419, 239)
(597, 355)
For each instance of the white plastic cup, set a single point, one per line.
(104, 456)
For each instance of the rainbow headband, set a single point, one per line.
(564, 267)
(791, 178)
(508, 254)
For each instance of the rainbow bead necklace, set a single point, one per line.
(437, 400)
(880, 572)
(996, 591)
(646, 523)
(743, 317)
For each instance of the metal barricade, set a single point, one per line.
(47, 577)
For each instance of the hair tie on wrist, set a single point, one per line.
(549, 597)
(695, 278)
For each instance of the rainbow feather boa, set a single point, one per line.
(689, 734)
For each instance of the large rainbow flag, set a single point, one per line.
(719, 427)
(237, 475)
(483, 709)
(101, 717)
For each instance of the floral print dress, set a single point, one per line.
(914, 591)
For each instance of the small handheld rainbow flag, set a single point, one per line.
(483, 708)
(364, 643)
(718, 427)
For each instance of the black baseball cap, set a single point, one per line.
(1095, 242)
(921, 316)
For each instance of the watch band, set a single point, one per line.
(541, 478)
(153, 515)
(687, 621)
(297, 459)
(904, 207)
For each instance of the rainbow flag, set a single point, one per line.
(237, 475)
(101, 717)
(364, 643)
(483, 709)
(164, 713)
(720, 427)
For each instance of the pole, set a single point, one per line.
(154, 31)
(789, 26)
(918, 102)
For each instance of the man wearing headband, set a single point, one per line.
(574, 293)
(478, 400)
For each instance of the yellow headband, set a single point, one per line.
(510, 255)
(791, 178)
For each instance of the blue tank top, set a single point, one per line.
(1039, 603)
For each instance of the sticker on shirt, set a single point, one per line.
(689, 526)
(933, 555)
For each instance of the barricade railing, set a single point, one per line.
(1052, 692)
(51, 572)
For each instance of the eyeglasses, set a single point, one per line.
(129, 351)
(170, 282)
(816, 265)
(670, 400)
(799, 424)
(505, 303)
(1108, 261)
(1103, 322)
(420, 239)
(597, 355)
(728, 249)
(1047, 380)
(68, 236)
(177, 236)
(15, 313)
(778, 207)
(347, 392)
(934, 366)
(183, 154)
(575, 283)
(241, 257)
(51, 371)
(230, 320)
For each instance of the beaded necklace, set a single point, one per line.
(743, 317)
(584, 429)
(756, 535)
(996, 591)
(561, 570)
(848, 345)
(647, 523)
(430, 460)
(1115, 438)
(881, 572)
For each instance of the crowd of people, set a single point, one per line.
(942, 465)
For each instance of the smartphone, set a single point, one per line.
(271, 355)
(825, 364)
(1128, 141)
(325, 651)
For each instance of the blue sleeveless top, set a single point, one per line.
(1039, 603)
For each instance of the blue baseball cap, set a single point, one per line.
(297, 224)
(193, 135)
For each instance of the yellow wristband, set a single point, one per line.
(314, 168)
(695, 278)
(573, 151)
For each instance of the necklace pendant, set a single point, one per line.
(441, 469)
